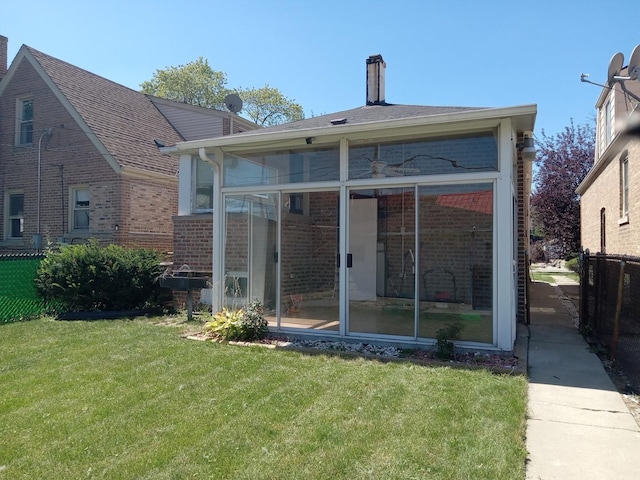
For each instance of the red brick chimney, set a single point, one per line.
(4, 41)
(375, 80)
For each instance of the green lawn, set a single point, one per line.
(132, 400)
(548, 277)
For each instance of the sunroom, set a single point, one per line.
(381, 230)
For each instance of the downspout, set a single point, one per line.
(216, 255)
(38, 237)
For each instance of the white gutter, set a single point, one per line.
(216, 254)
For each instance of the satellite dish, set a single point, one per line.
(615, 65)
(233, 102)
(634, 63)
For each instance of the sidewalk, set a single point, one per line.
(578, 426)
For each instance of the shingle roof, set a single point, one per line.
(125, 121)
(368, 113)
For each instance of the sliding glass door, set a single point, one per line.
(381, 261)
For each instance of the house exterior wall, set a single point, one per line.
(621, 237)
(193, 241)
(67, 159)
(141, 207)
(601, 190)
(147, 207)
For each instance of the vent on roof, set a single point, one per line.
(338, 121)
(375, 80)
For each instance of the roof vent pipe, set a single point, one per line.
(375, 80)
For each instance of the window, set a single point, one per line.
(80, 208)
(624, 187)
(24, 128)
(202, 186)
(608, 122)
(15, 217)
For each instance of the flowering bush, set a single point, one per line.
(239, 324)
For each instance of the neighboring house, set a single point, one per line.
(80, 157)
(384, 222)
(609, 205)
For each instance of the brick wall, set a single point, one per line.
(67, 159)
(141, 207)
(622, 238)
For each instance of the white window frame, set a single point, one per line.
(10, 217)
(624, 188)
(608, 122)
(73, 208)
(21, 122)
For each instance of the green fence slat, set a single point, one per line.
(18, 298)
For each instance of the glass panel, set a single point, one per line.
(250, 250)
(456, 260)
(81, 219)
(82, 198)
(464, 154)
(309, 282)
(17, 228)
(382, 272)
(282, 166)
(26, 122)
(26, 133)
(204, 185)
(27, 110)
(81, 209)
(16, 205)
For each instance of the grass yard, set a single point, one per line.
(549, 277)
(132, 400)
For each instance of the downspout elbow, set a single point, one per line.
(206, 158)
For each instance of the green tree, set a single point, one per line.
(198, 84)
(195, 83)
(267, 106)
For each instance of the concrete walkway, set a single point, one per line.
(578, 425)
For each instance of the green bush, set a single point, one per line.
(445, 348)
(573, 264)
(91, 278)
(241, 324)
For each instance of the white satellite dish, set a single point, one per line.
(615, 65)
(634, 63)
(233, 102)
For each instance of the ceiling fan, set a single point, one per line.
(382, 169)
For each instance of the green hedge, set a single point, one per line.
(92, 278)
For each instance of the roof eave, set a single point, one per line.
(523, 117)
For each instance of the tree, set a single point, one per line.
(195, 83)
(267, 106)
(563, 161)
(198, 84)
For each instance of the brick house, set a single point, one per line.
(383, 222)
(609, 212)
(80, 157)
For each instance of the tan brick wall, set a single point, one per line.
(193, 241)
(604, 192)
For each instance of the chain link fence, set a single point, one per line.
(610, 308)
(18, 299)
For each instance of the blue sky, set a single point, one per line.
(459, 52)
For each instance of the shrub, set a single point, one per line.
(573, 264)
(91, 278)
(238, 324)
(445, 349)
